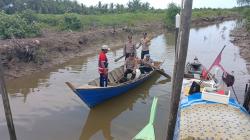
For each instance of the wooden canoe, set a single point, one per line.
(92, 94)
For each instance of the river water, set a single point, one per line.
(44, 108)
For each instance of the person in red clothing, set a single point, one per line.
(103, 66)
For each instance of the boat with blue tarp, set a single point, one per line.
(210, 112)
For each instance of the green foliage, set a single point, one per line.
(243, 2)
(40, 56)
(246, 14)
(172, 10)
(49, 19)
(209, 12)
(137, 5)
(69, 6)
(16, 26)
(29, 16)
(71, 22)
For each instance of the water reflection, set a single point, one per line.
(23, 86)
(50, 105)
(217, 25)
(95, 124)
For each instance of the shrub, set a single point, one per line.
(29, 16)
(16, 26)
(246, 13)
(71, 22)
(51, 20)
(39, 57)
(172, 10)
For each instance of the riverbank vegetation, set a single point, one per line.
(245, 11)
(22, 18)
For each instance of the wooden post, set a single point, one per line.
(6, 104)
(182, 47)
(246, 102)
(177, 26)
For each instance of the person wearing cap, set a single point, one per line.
(147, 64)
(130, 66)
(103, 66)
(129, 47)
(145, 42)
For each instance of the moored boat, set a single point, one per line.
(92, 94)
(210, 114)
(196, 70)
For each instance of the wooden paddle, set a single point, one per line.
(148, 132)
(119, 58)
(161, 71)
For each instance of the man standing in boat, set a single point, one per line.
(129, 47)
(103, 66)
(145, 42)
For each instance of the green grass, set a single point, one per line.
(106, 20)
(124, 19)
(202, 13)
(77, 22)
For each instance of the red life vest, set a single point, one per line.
(102, 58)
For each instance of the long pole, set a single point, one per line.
(247, 97)
(182, 47)
(6, 104)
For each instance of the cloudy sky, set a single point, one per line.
(163, 3)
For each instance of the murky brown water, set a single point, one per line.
(44, 108)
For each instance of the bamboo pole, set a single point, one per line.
(182, 47)
(6, 104)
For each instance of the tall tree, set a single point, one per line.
(243, 2)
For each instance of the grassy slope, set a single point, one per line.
(125, 19)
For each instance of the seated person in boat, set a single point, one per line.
(130, 66)
(147, 64)
(196, 66)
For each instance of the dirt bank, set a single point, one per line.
(212, 20)
(241, 37)
(24, 56)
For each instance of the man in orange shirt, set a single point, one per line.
(103, 66)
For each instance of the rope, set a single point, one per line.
(235, 94)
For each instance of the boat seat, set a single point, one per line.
(110, 78)
(118, 73)
(122, 69)
(115, 76)
(92, 83)
(97, 82)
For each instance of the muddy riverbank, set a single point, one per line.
(201, 22)
(22, 57)
(241, 37)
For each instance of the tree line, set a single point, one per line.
(68, 6)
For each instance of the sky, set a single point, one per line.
(162, 4)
